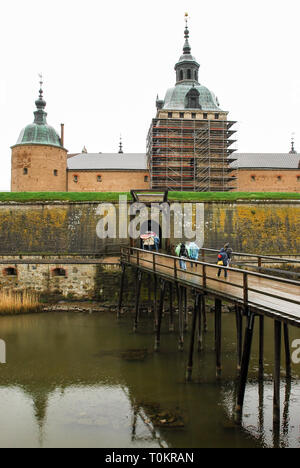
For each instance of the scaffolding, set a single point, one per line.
(191, 155)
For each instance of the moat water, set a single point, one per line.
(79, 380)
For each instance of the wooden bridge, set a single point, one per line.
(252, 293)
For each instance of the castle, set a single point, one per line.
(189, 148)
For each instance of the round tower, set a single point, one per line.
(39, 160)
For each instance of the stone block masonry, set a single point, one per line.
(62, 228)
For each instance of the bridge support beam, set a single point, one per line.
(218, 335)
(239, 331)
(244, 368)
(261, 347)
(139, 277)
(288, 365)
(277, 362)
(155, 302)
(185, 323)
(180, 318)
(201, 325)
(204, 314)
(121, 291)
(171, 312)
(193, 331)
(160, 314)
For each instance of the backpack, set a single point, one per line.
(222, 256)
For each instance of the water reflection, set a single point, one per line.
(72, 381)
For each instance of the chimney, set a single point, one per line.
(62, 134)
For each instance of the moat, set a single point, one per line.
(86, 380)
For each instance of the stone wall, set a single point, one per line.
(70, 228)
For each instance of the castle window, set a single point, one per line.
(196, 76)
(193, 115)
(189, 75)
(181, 115)
(75, 178)
(216, 116)
(55, 172)
(181, 75)
(170, 115)
(298, 178)
(99, 178)
(25, 171)
(253, 177)
(146, 178)
(279, 177)
(205, 116)
(192, 99)
(10, 271)
(59, 272)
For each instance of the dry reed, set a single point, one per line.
(19, 302)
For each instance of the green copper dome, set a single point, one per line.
(39, 132)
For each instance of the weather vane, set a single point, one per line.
(41, 79)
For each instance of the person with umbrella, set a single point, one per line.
(193, 251)
(182, 252)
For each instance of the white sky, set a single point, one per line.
(104, 63)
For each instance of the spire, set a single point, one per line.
(292, 151)
(186, 47)
(187, 67)
(120, 146)
(40, 114)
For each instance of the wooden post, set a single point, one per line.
(288, 361)
(204, 313)
(193, 331)
(180, 318)
(244, 367)
(171, 316)
(200, 323)
(277, 362)
(155, 302)
(261, 347)
(121, 291)
(137, 299)
(218, 335)
(160, 313)
(239, 329)
(185, 325)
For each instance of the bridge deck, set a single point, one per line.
(272, 296)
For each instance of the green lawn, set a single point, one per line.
(173, 196)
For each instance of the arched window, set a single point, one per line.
(59, 272)
(189, 74)
(10, 271)
(196, 75)
(181, 75)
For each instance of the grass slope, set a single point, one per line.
(24, 197)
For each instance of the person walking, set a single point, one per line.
(183, 254)
(222, 261)
(228, 250)
(193, 251)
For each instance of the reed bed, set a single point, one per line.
(19, 302)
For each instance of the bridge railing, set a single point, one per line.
(248, 287)
(255, 258)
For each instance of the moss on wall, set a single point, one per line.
(61, 228)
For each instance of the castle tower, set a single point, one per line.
(188, 141)
(39, 160)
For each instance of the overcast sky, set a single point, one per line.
(105, 62)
